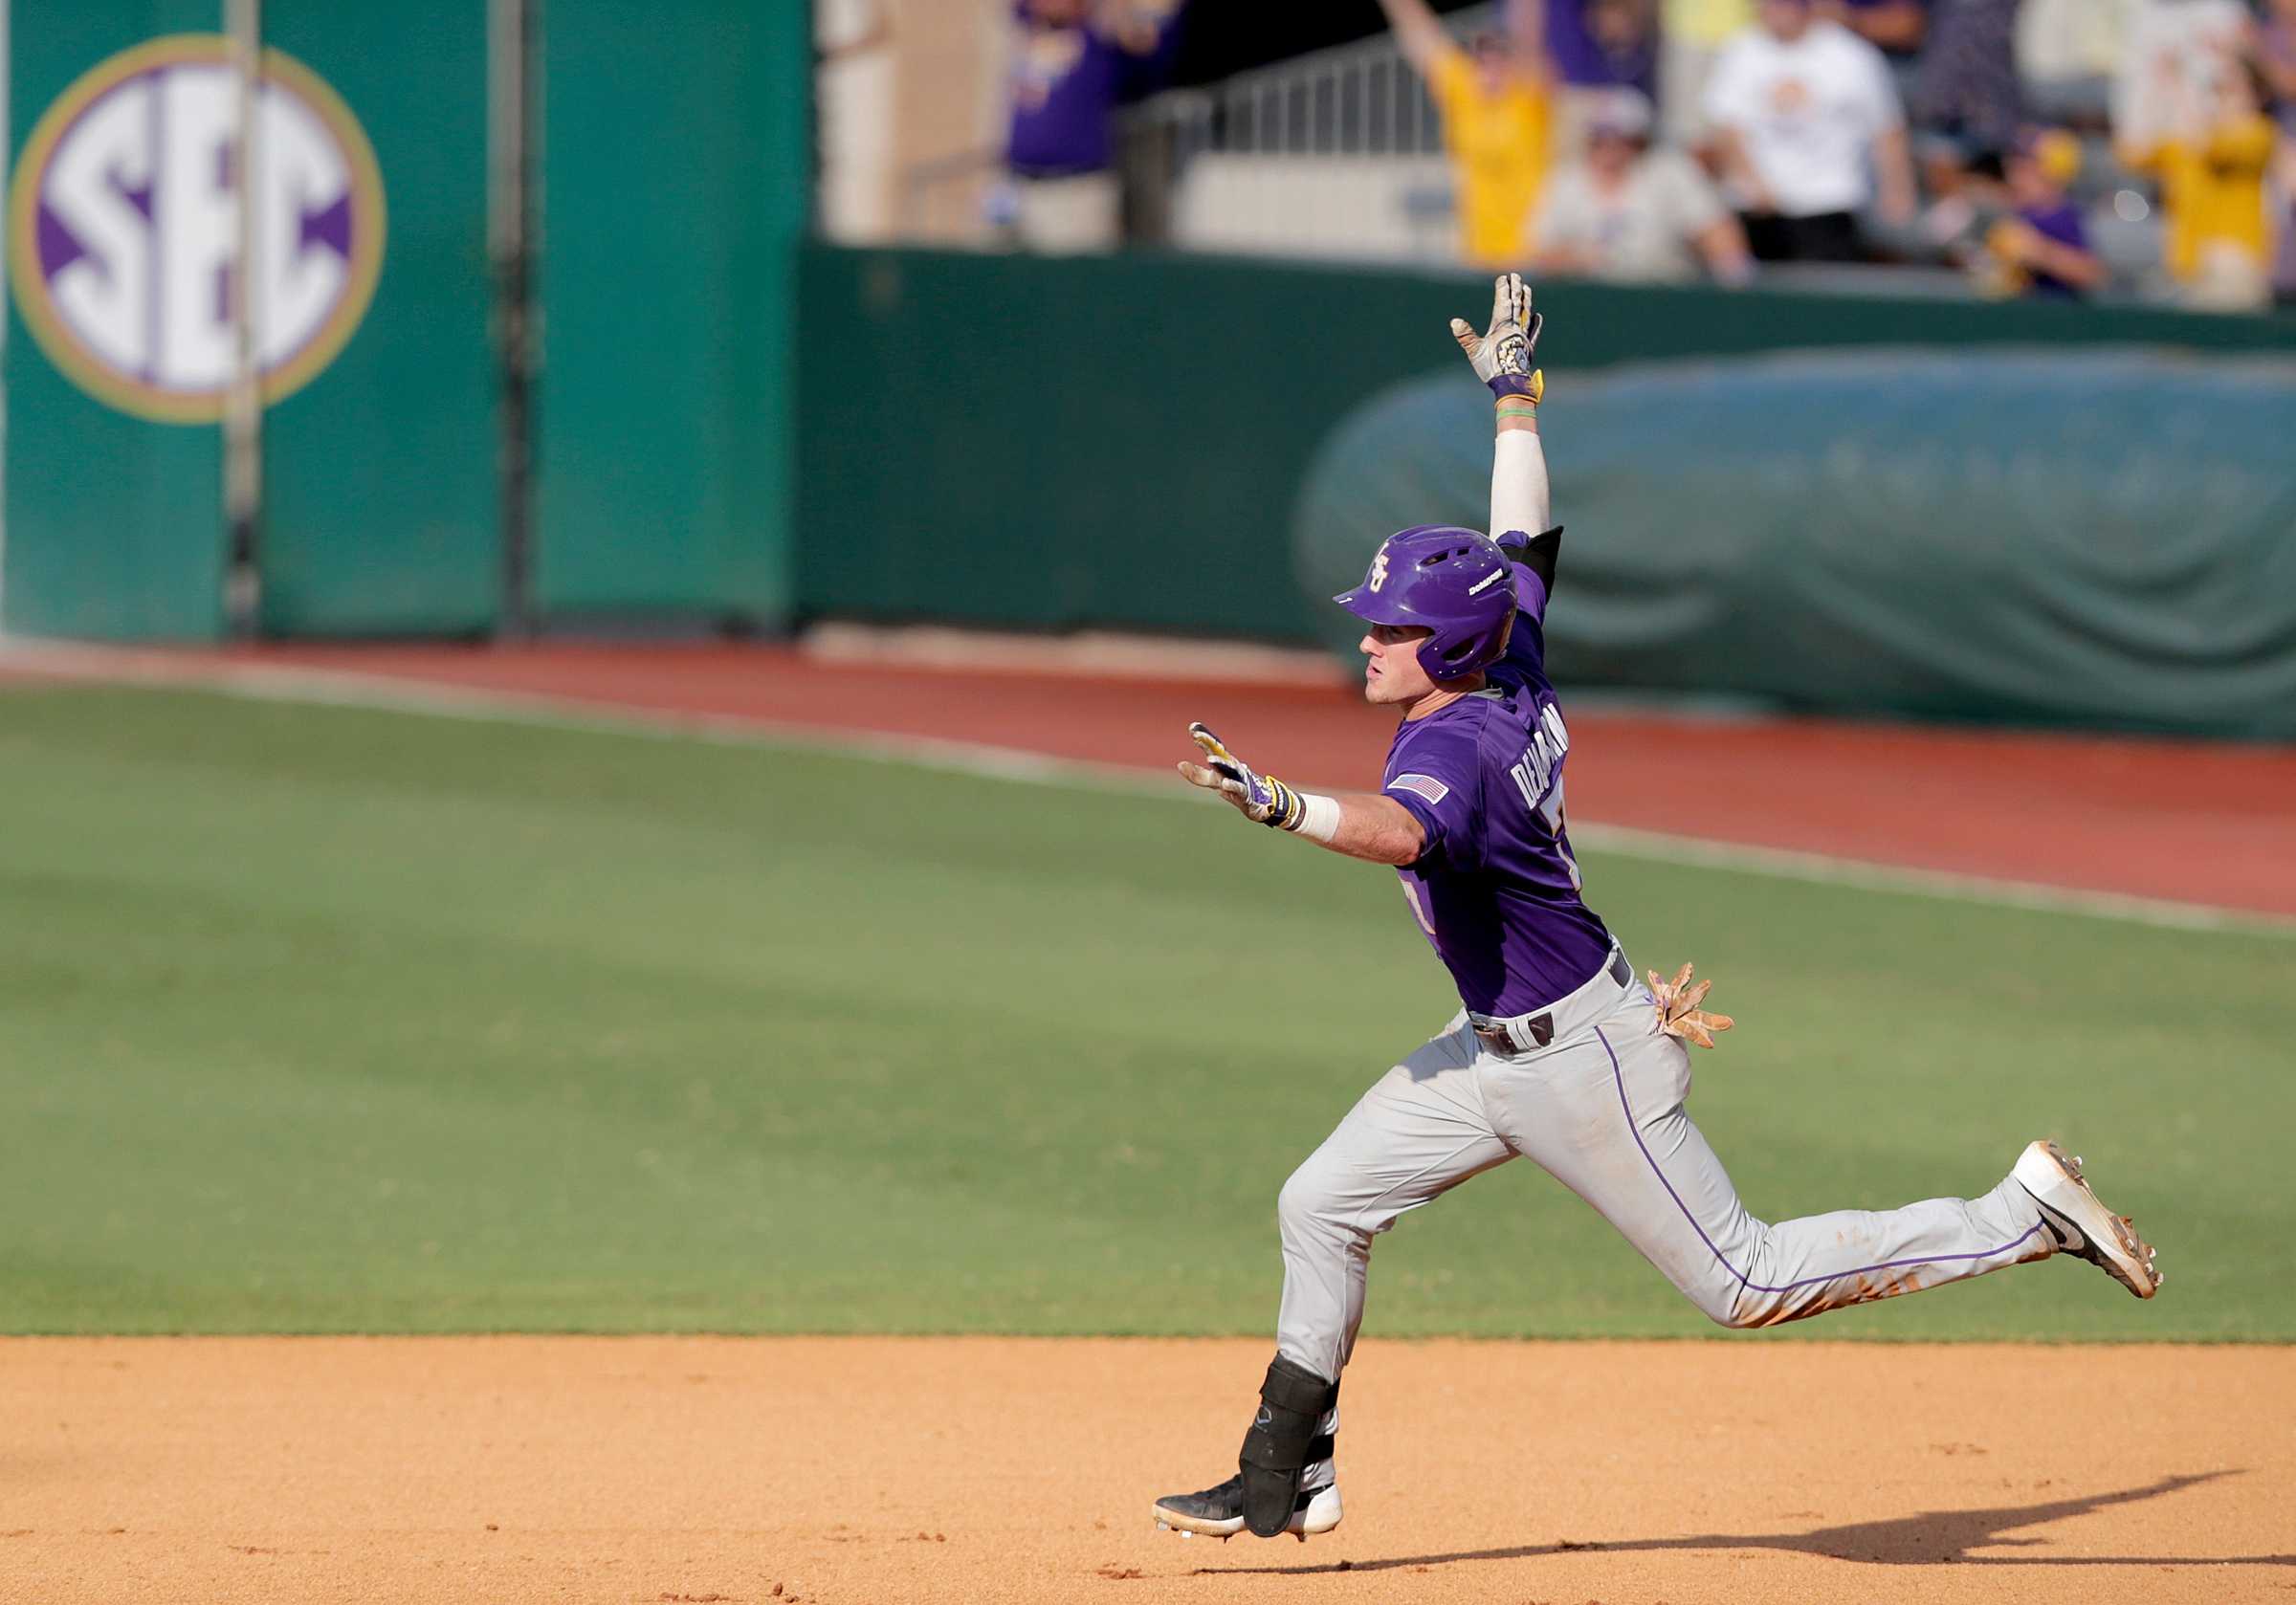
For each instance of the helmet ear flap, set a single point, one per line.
(1453, 655)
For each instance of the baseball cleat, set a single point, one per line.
(2081, 1223)
(1219, 1512)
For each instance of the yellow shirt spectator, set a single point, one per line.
(2213, 191)
(1498, 143)
(1706, 23)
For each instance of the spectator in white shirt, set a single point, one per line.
(1626, 212)
(1810, 133)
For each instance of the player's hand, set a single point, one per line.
(1501, 355)
(1255, 796)
(1678, 1012)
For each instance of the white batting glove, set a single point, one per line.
(1501, 355)
(1255, 796)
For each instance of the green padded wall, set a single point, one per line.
(113, 523)
(2101, 536)
(1040, 441)
(676, 144)
(1129, 441)
(380, 510)
(1120, 440)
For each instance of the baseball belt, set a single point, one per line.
(1528, 1033)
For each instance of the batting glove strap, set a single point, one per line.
(1286, 811)
(1529, 386)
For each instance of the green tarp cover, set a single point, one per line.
(2102, 538)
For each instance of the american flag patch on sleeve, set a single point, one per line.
(1421, 786)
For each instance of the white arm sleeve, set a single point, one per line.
(1518, 483)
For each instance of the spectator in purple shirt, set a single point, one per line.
(1073, 61)
(1592, 47)
(2042, 249)
(2272, 45)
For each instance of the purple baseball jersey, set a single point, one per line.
(1496, 889)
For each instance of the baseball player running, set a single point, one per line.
(1559, 1053)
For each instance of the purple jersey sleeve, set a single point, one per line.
(1529, 595)
(1527, 645)
(1436, 772)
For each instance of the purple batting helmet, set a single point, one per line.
(1454, 581)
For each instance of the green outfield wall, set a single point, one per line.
(113, 525)
(379, 500)
(678, 173)
(2036, 511)
(670, 160)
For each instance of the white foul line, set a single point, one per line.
(349, 689)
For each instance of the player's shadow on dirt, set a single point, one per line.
(1932, 1538)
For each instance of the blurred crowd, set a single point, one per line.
(2043, 147)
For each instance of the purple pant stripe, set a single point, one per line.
(1618, 1076)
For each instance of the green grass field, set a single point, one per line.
(329, 1019)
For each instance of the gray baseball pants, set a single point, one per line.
(1600, 1109)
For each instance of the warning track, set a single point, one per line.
(2191, 823)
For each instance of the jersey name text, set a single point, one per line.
(1534, 771)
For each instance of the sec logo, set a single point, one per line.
(123, 228)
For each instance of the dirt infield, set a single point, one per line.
(877, 1470)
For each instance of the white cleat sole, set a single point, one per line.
(2083, 1224)
(1320, 1514)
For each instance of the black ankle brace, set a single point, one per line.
(1283, 1439)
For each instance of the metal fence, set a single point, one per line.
(1358, 100)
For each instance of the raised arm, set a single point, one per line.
(1502, 357)
(1518, 473)
(1417, 34)
(1138, 27)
